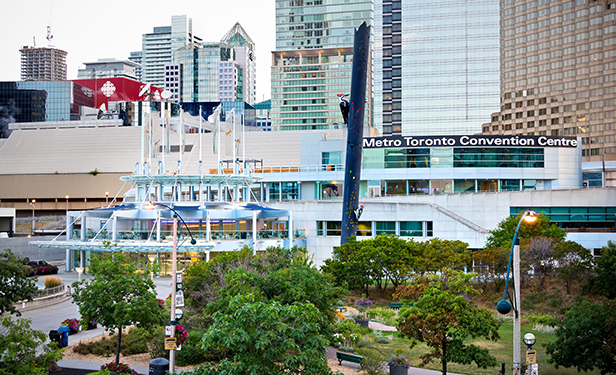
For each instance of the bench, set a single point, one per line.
(340, 307)
(397, 305)
(349, 358)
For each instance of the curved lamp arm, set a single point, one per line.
(504, 306)
(192, 239)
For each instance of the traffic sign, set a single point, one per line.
(531, 357)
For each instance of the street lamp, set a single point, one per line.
(504, 306)
(107, 198)
(33, 207)
(174, 272)
(529, 339)
(66, 197)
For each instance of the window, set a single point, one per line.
(411, 229)
(385, 227)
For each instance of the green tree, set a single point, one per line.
(490, 266)
(439, 254)
(347, 266)
(605, 279)
(379, 260)
(23, 350)
(117, 296)
(16, 286)
(574, 262)
(502, 235)
(267, 338)
(585, 338)
(444, 319)
(203, 280)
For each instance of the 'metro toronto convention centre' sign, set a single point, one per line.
(470, 141)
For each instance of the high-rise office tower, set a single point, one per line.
(136, 57)
(203, 73)
(245, 56)
(435, 65)
(558, 70)
(313, 60)
(208, 72)
(43, 64)
(158, 46)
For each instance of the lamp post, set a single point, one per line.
(33, 207)
(66, 197)
(173, 319)
(152, 258)
(106, 198)
(504, 306)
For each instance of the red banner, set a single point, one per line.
(105, 90)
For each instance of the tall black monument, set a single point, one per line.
(352, 168)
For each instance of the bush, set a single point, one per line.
(192, 353)
(382, 340)
(52, 282)
(543, 319)
(118, 369)
(135, 342)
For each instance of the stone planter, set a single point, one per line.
(398, 370)
(73, 331)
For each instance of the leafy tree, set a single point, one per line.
(23, 350)
(585, 338)
(439, 254)
(574, 261)
(348, 267)
(117, 296)
(379, 260)
(444, 319)
(16, 286)
(540, 255)
(203, 280)
(605, 280)
(491, 262)
(267, 338)
(502, 235)
(299, 282)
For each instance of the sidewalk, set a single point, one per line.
(95, 366)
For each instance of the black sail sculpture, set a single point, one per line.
(352, 169)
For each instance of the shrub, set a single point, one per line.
(192, 353)
(382, 340)
(52, 282)
(118, 369)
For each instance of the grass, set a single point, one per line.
(501, 349)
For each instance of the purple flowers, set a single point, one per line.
(180, 334)
(73, 324)
(398, 360)
(363, 303)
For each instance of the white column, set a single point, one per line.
(290, 229)
(254, 232)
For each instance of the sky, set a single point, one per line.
(92, 30)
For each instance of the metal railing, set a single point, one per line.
(51, 291)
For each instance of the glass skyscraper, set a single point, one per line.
(436, 66)
(558, 67)
(313, 60)
(158, 46)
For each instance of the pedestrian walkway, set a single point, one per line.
(95, 366)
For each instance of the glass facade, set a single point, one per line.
(40, 101)
(558, 72)
(202, 69)
(454, 157)
(436, 66)
(364, 228)
(313, 61)
(575, 217)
